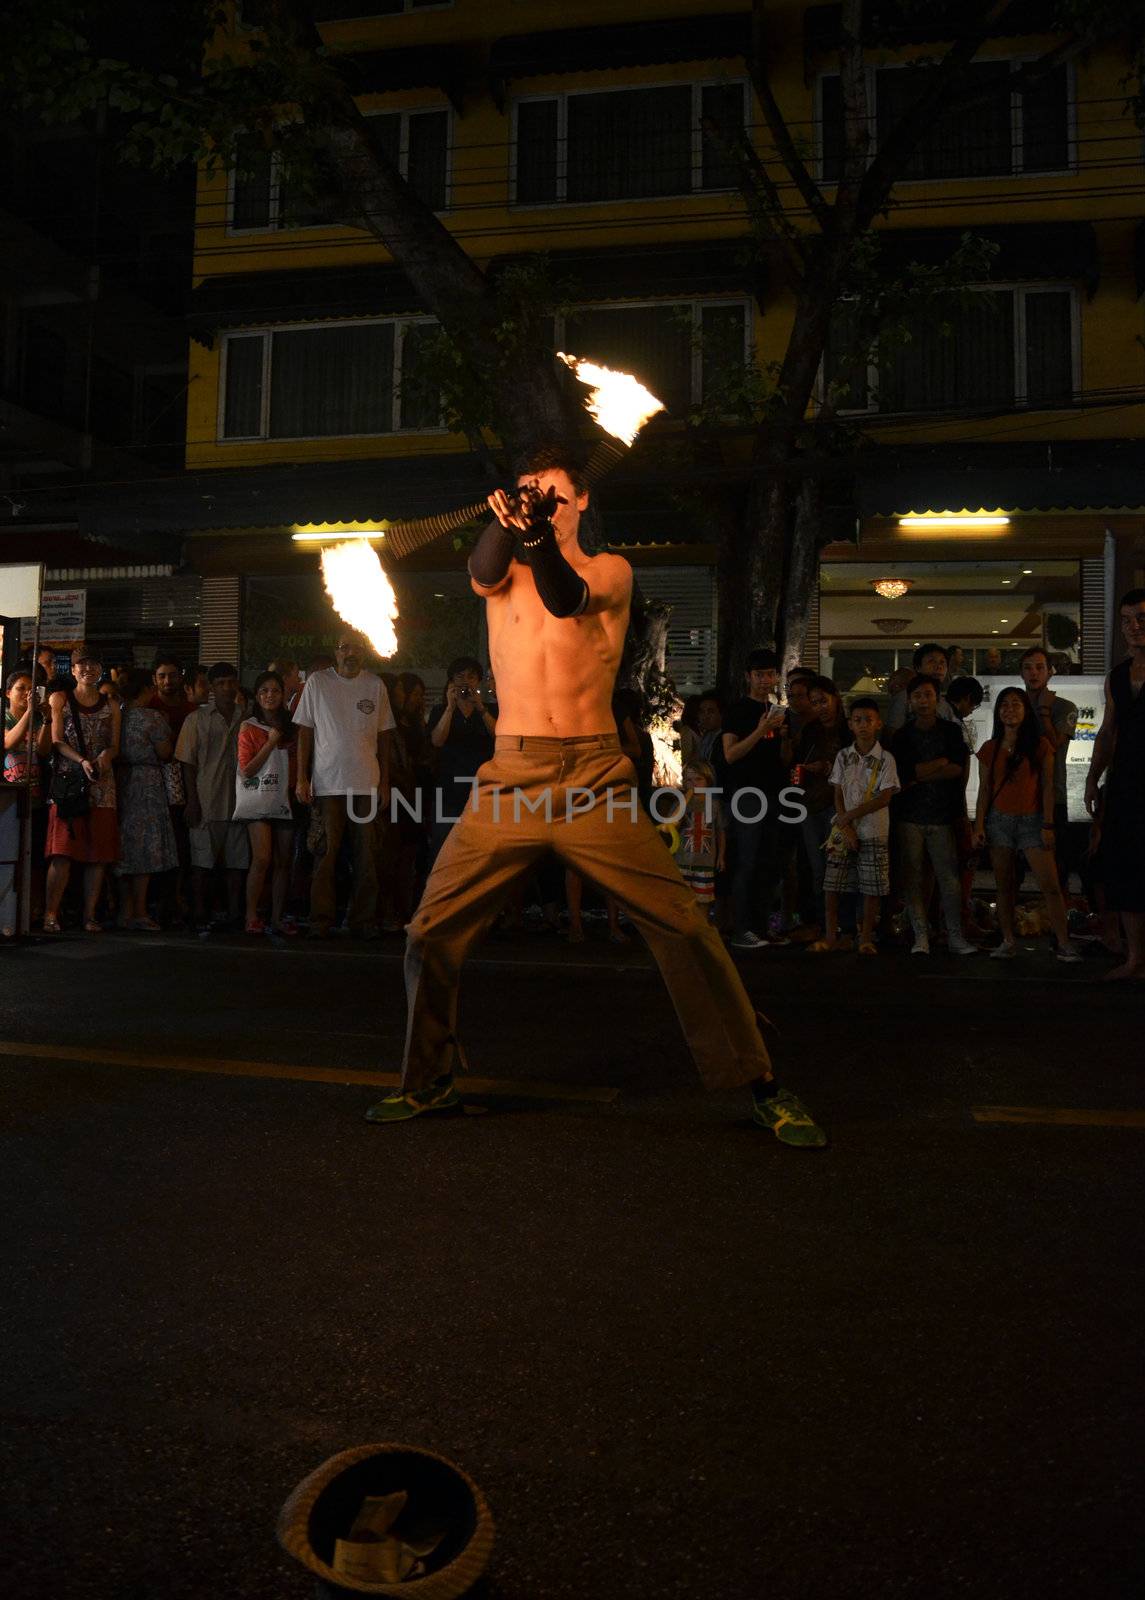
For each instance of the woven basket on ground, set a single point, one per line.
(324, 1505)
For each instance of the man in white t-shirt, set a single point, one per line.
(344, 721)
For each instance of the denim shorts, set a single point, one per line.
(1006, 830)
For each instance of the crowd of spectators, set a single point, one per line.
(890, 854)
(322, 802)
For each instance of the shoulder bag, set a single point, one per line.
(71, 789)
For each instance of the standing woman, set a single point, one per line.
(819, 741)
(85, 733)
(146, 834)
(264, 783)
(1016, 812)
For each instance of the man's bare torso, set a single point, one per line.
(555, 675)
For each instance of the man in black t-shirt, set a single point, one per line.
(932, 761)
(752, 740)
(461, 731)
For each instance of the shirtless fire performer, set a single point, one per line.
(559, 781)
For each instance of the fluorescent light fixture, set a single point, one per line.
(1027, 572)
(333, 532)
(1007, 580)
(956, 525)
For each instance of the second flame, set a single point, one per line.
(361, 593)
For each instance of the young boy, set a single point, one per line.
(864, 780)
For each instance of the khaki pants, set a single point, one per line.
(497, 841)
(363, 909)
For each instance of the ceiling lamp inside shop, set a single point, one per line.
(891, 624)
(891, 588)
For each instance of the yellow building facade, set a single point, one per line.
(573, 130)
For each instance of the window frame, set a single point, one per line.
(276, 227)
(696, 305)
(266, 332)
(1016, 173)
(1021, 401)
(562, 98)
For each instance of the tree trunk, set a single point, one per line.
(802, 576)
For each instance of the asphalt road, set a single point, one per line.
(680, 1359)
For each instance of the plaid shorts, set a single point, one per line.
(869, 872)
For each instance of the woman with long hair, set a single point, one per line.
(405, 840)
(146, 836)
(85, 733)
(265, 782)
(819, 741)
(1015, 812)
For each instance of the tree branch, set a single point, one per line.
(454, 288)
(763, 200)
(777, 124)
(856, 113)
(940, 94)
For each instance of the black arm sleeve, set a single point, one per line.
(491, 554)
(562, 591)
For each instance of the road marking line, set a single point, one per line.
(518, 1088)
(1059, 1116)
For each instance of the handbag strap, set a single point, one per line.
(77, 724)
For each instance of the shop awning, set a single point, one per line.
(892, 22)
(724, 36)
(1083, 475)
(315, 294)
(717, 266)
(1027, 252)
(265, 497)
(438, 66)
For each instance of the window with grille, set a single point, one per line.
(1001, 135)
(992, 347)
(624, 144)
(263, 198)
(678, 349)
(332, 380)
(692, 638)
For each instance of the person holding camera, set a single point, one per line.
(461, 730)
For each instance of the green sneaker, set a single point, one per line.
(440, 1096)
(788, 1118)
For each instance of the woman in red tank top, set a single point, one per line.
(1015, 812)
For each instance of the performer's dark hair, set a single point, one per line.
(554, 458)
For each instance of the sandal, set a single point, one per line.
(821, 945)
(51, 925)
(868, 949)
(144, 925)
(93, 927)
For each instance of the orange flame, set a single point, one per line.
(620, 403)
(361, 593)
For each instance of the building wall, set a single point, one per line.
(1099, 188)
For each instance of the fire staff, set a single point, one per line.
(559, 781)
